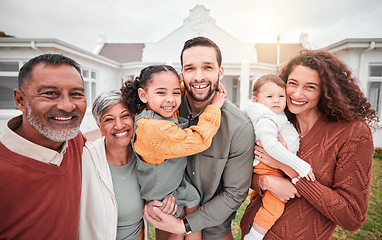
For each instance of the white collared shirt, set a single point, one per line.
(22, 146)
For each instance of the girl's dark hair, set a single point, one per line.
(341, 99)
(129, 89)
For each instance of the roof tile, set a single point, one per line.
(123, 52)
(267, 52)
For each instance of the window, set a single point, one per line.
(375, 96)
(375, 87)
(234, 91)
(9, 66)
(9, 71)
(90, 85)
(250, 88)
(375, 71)
(127, 78)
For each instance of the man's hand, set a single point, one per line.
(166, 222)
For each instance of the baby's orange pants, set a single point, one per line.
(272, 208)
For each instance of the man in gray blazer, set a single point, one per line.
(222, 173)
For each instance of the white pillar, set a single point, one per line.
(244, 83)
(363, 67)
(278, 51)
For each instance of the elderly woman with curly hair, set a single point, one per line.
(332, 117)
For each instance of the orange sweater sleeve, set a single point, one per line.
(158, 140)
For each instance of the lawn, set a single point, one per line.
(371, 230)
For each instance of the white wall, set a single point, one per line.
(199, 23)
(109, 78)
(358, 60)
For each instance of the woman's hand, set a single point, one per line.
(280, 187)
(281, 140)
(310, 176)
(167, 206)
(166, 222)
(262, 156)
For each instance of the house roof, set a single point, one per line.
(354, 43)
(123, 52)
(267, 52)
(44, 45)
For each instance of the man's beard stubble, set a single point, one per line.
(50, 133)
(212, 90)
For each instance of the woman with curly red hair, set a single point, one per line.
(332, 117)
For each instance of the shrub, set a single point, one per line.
(378, 153)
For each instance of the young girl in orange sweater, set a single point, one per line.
(161, 140)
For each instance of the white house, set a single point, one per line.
(99, 73)
(243, 62)
(364, 58)
(113, 63)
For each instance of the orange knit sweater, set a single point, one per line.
(158, 140)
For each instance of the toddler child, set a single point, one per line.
(267, 115)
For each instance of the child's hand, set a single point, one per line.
(310, 176)
(219, 97)
(221, 88)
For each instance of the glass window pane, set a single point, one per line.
(234, 95)
(7, 84)
(93, 75)
(375, 71)
(9, 66)
(87, 92)
(85, 73)
(375, 96)
(250, 88)
(94, 91)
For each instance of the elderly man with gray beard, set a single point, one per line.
(40, 152)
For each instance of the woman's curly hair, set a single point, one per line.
(341, 99)
(129, 89)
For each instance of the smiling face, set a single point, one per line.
(303, 91)
(53, 103)
(162, 94)
(201, 72)
(117, 125)
(272, 96)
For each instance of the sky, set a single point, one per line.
(79, 22)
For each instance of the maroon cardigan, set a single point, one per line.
(340, 154)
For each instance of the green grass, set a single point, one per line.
(371, 230)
